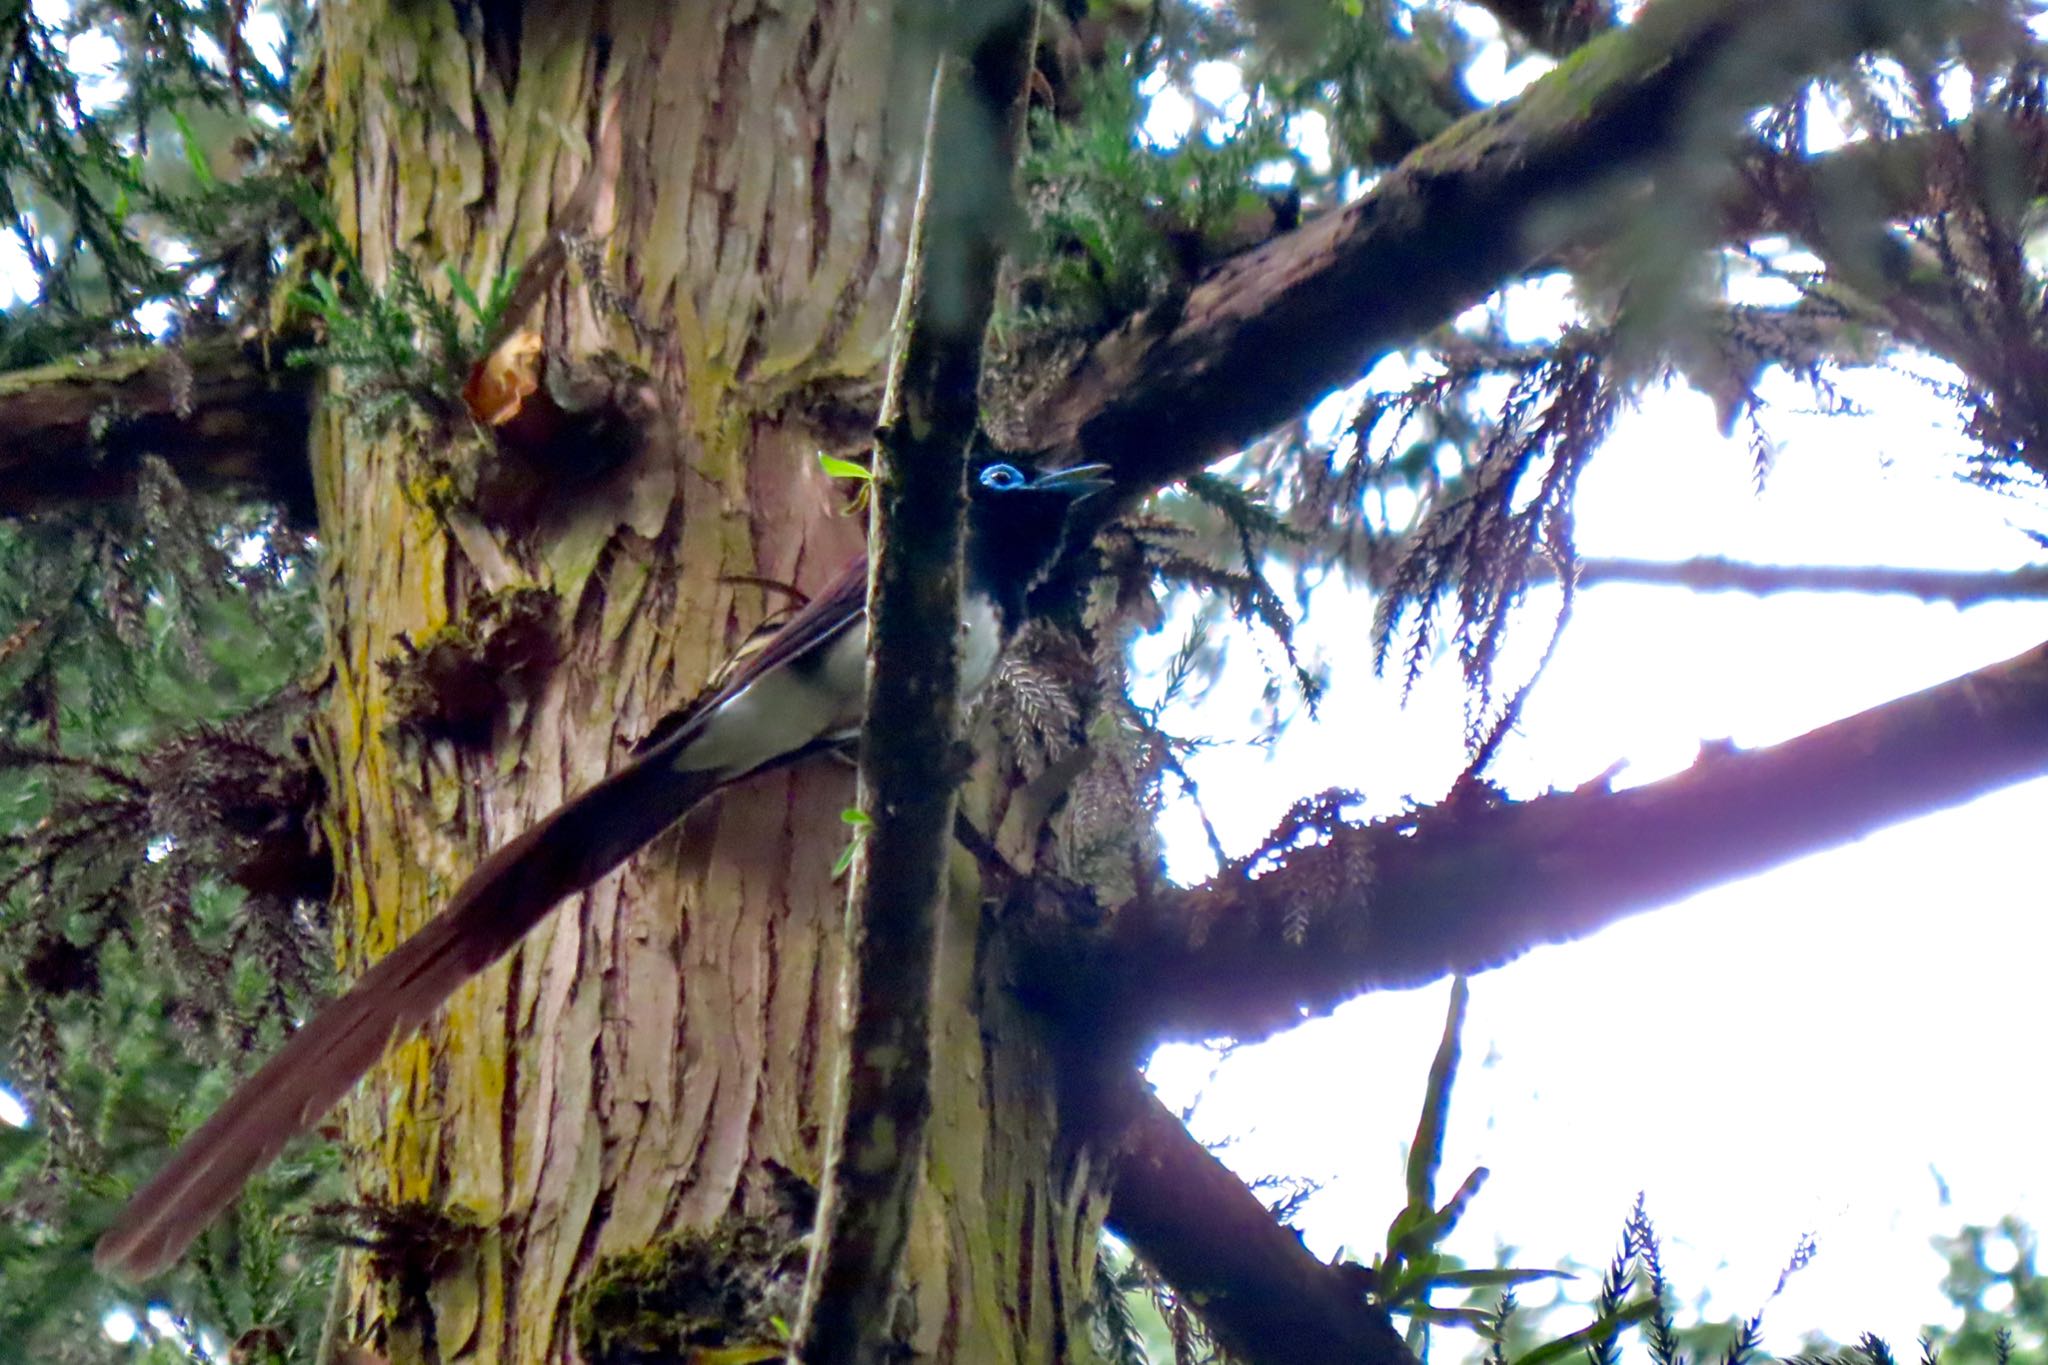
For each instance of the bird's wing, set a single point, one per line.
(838, 605)
(502, 901)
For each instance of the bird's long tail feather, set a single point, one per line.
(507, 895)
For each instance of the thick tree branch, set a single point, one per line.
(909, 766)
(1468, 886)
(1260, 1292)
(1708, 573)
(1273, 330)
(215, 410)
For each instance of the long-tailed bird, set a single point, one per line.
(800, 691)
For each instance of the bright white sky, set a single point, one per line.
(1794, 1053)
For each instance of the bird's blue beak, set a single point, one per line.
(1077, 482)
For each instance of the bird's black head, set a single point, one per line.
(1015, 517)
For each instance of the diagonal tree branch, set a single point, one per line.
(1459, 890)
(1468, 885)
(1273, 330)
(1261, 1293)
(1873, 181)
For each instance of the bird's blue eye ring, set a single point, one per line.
(1002, 477)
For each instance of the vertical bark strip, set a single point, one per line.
(909, 742)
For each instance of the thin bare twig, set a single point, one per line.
(1707, 573)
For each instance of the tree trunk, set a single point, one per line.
(657, 1059)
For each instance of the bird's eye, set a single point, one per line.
(1002, 477)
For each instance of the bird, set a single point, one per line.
(792, 692)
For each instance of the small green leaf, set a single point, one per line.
(1421, 1229)
(201, 171)
(736, 1355)
(501, 297)
(1428, 1148)
(1599, 1330)
(465, 295)
(844, 469)
(1501, 1277)
(1474, 1319)
(1402, 1284)
(1401, 1232)
(859, 822)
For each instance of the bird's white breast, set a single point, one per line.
(981, 639)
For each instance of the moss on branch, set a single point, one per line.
(223, 413)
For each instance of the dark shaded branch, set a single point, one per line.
(1261, 1293)
(910, 763)
(226, 414)
(1709, 573)
(1468, 886)
(222, 414)
(1271, 331)
(1841, 209)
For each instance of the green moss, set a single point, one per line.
(118, 366)
(723, 1289)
